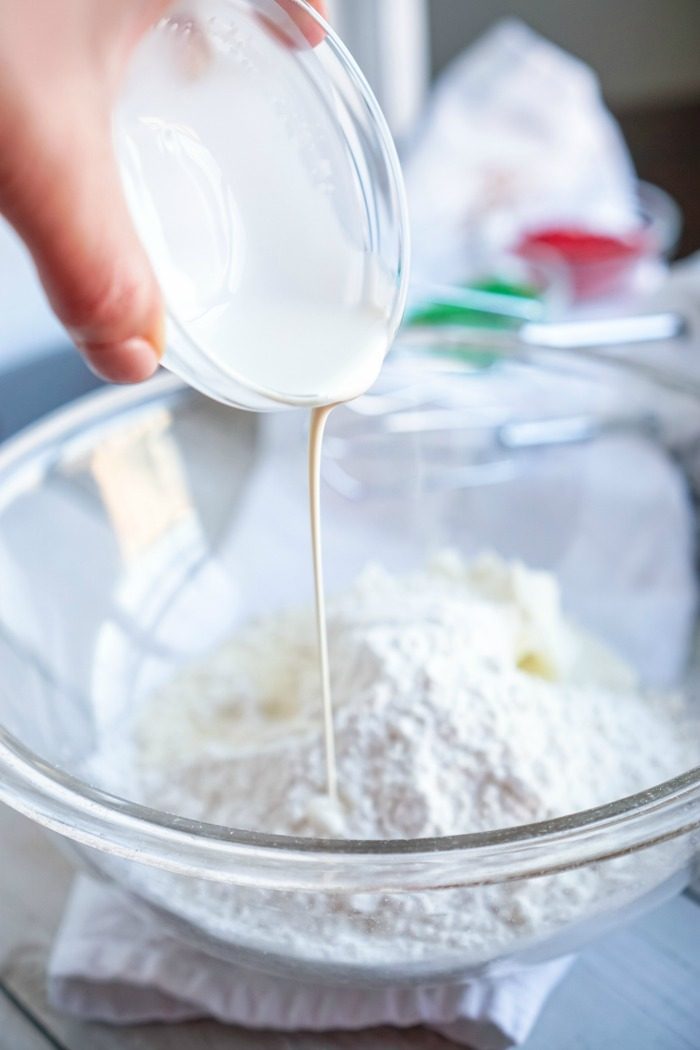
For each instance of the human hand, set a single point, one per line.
(61, 65)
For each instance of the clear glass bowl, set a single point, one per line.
(130, 544)
(265, 186)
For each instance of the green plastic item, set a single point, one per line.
(452, 314)
(443, 314)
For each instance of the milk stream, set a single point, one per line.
(319, 417)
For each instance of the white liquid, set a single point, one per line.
(300, 353)
(319, 416)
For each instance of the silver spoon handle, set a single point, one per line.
(605, 331)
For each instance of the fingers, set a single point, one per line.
(60, 67)
(59, 184)
(308, 25)
(64, 197)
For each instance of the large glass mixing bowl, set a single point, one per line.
(138, 527)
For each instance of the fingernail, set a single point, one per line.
(130, 361)
(156, 336)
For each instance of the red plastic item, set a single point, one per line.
(597, 263)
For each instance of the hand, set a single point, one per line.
(61, 65)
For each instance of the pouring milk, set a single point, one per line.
(263, 182)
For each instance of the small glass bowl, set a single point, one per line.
(250, 143)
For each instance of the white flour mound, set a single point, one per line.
(464, 701)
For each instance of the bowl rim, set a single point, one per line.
(89, 816)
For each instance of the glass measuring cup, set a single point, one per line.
(266, 189)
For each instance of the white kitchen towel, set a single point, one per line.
(113, 963)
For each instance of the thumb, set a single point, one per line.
(66, 202)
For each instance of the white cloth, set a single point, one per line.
(111, 963)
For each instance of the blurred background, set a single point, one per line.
(644, 53)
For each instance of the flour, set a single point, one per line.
(464, 702)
